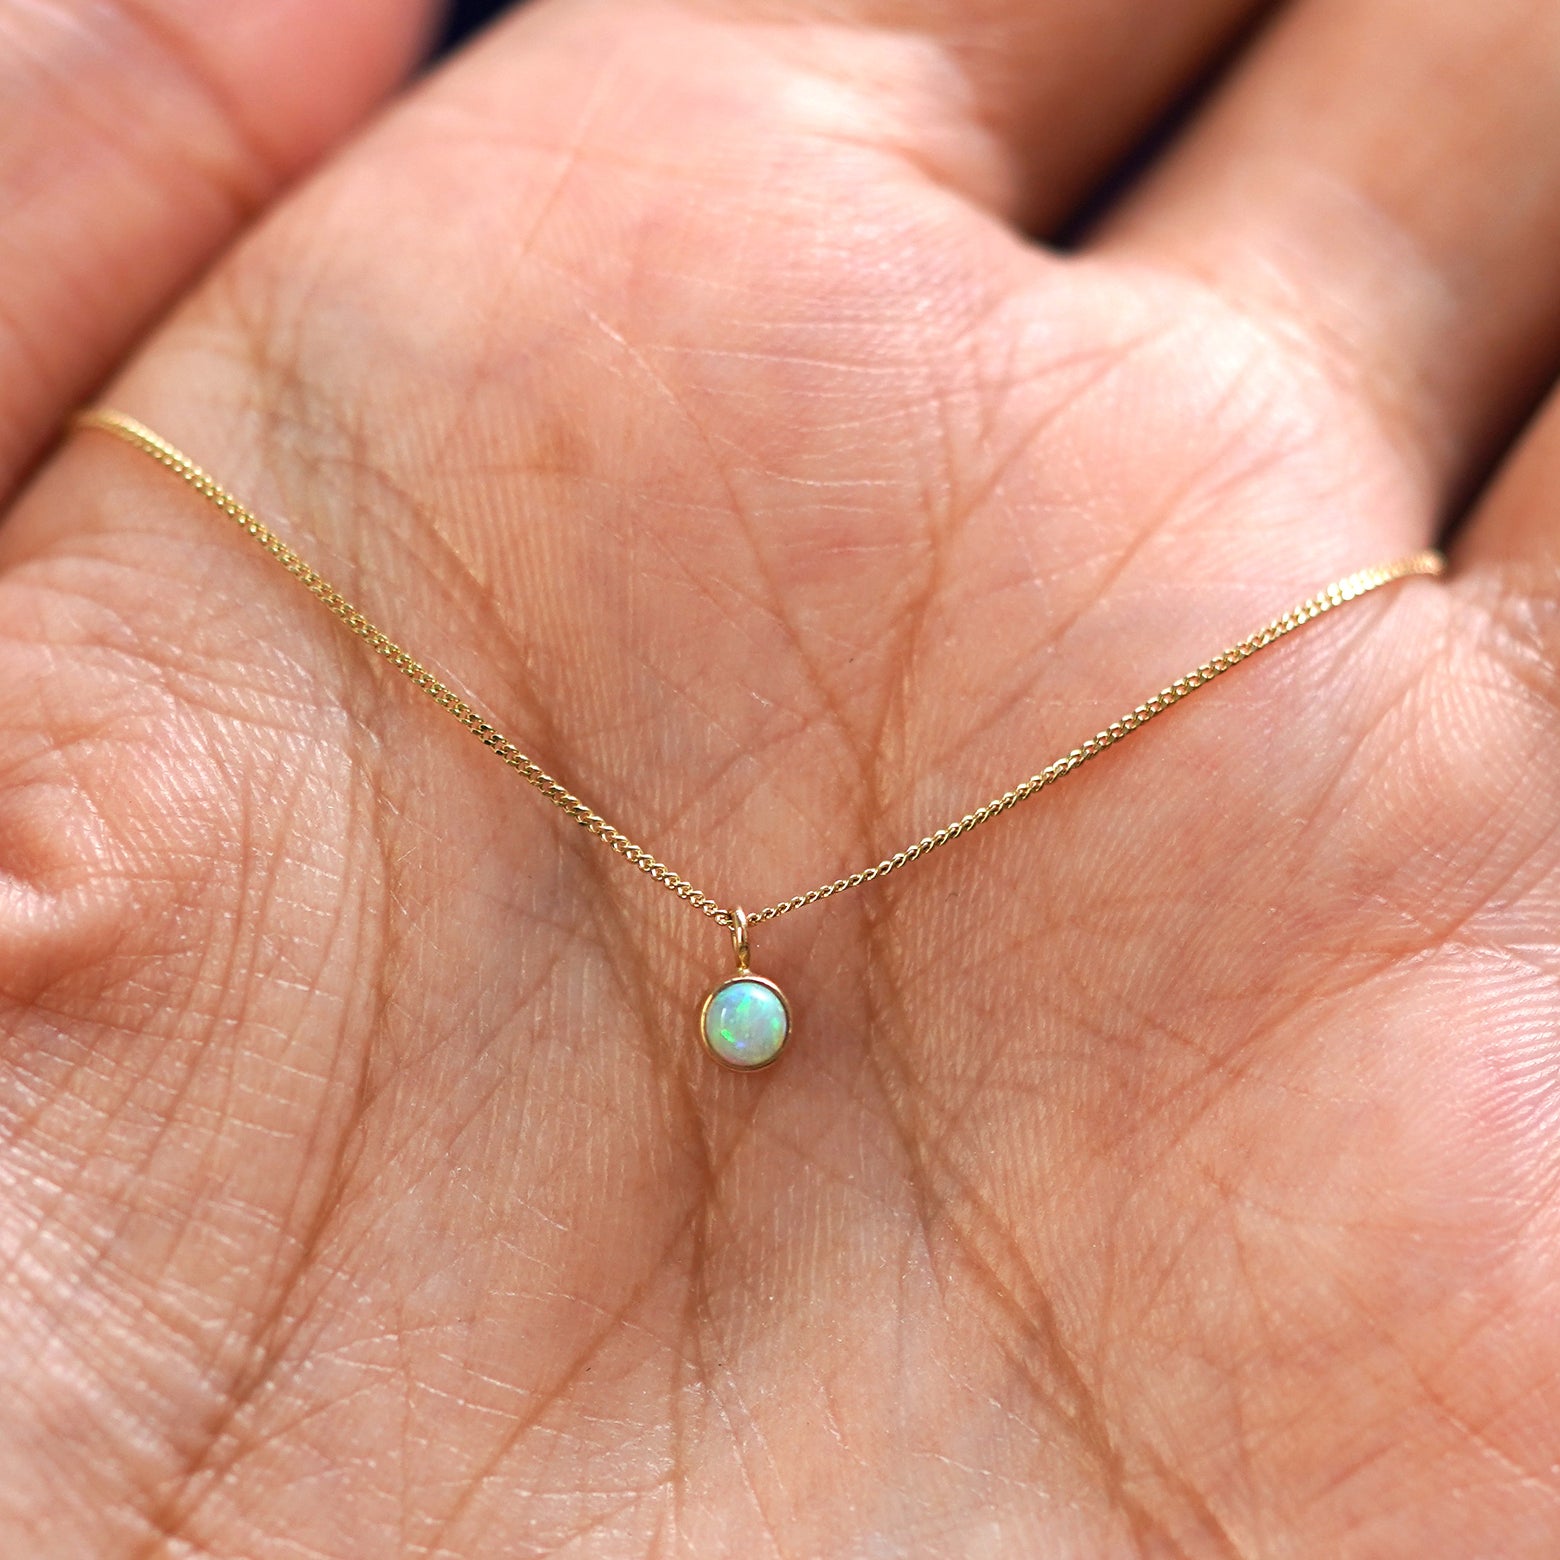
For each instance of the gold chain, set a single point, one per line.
(1335, 595)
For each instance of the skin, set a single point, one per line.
(1172, 1168)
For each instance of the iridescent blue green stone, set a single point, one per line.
(746, 1023)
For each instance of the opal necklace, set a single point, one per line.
(745, 1021)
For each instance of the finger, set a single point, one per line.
(1509, 557)
(1025, 102)
(134, 139)
(1380, 184)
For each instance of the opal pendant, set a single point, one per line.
(745, 1021)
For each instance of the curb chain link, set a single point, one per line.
(1335, 595)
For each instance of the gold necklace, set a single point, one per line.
(745, 1020)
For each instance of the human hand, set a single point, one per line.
(1169, 1168)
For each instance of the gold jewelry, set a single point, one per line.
(745, 1021)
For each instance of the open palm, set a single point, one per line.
(1170, 1168)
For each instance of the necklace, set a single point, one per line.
(745, 1021)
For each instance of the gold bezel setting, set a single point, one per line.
(704, 1010)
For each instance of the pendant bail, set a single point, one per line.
(739, 938)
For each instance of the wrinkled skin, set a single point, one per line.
(1172, 1168)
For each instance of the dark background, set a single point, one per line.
(465, 16)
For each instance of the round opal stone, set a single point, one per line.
(745, 1022)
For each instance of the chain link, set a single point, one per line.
(1335, 595)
